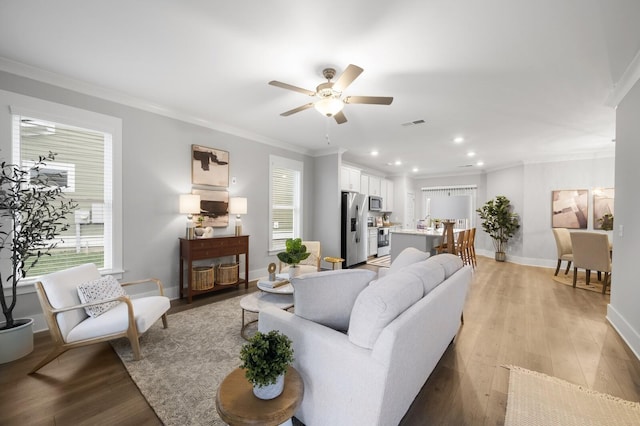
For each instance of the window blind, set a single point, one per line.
(285, 192)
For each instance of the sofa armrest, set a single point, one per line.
(343, 384)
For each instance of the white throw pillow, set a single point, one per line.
(407, 257)
(450, 262)
(379, 304)
(105, 287)
(328, 297)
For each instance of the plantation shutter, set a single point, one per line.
(285, 204)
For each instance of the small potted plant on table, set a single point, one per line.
(266, 359)
(295, 253)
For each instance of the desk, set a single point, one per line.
(211, 248)
(237, 405)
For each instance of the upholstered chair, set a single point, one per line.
(564, 247)
(591, 251)
(106, 312)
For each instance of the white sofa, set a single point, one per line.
(399, 326)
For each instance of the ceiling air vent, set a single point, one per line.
(466, 165)
(413, 123)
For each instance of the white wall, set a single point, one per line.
(326, 226)
(623, 311)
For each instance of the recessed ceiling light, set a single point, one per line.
(374, 153)
(471, 154)
(398, 163)
(414, 170)
(458, 139)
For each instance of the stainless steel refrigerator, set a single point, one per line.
(353, 237)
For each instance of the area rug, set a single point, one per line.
(183, 365)
(384, 261)
(537, 399)
(594, 284)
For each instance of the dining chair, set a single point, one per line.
(106, 313)
(564, 248)
(591, 252)
(471, 248)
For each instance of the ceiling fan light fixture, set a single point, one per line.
(329, 106)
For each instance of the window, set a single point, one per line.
(285, 192)
(85, 145)
(451, 203)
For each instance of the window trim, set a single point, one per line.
(59, 113)
(277, 161)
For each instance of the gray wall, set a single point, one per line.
(623, 311)
(156, 169)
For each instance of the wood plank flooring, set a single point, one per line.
(514, 315)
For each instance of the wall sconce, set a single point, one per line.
(238, 206)
(190, 204)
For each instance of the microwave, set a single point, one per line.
(375, 204)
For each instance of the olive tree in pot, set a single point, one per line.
(294, 253)
(33, 212)
(499, 222)
(266, 359)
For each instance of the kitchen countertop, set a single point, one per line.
(418, 231)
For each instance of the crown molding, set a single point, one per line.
(65, 82)
(629, 78)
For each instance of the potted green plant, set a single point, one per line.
(606, 222)
(295, 252)
(499, 222)
(265, 359)
(33, 212)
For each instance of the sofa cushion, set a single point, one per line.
(106, 287)
(328, 297)
(407, 257)
(450, 262)
(380, 303)
(431, 274)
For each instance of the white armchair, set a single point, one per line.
(70, 325)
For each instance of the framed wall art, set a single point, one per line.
(209, 166)
(214, 208)
(570, 208)
(603, 208)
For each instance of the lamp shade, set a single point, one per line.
(329, 106)
(238, 205)
(189, 203)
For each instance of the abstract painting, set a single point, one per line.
(209, 166)
(603, 208)
(570, 209)
(214, 208)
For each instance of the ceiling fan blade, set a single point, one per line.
(300, 108)
(351, 73)
(340, 117)
(374, 100)
(290, 87)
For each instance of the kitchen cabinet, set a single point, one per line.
(374, 186)
(373, 242)
(364, 184)
(349, 179)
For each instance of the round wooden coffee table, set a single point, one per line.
(237, 405)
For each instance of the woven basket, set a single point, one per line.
(227, 274)
(202, 278)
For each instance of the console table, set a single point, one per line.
(210, 248)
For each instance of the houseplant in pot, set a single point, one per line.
(265, 360)
(33, 212)
(294, 253)
(499, 222)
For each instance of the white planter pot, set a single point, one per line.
(270, 391)
(294, 271)
(16, 342)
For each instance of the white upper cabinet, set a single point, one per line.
(349, 179)
(374, 186)
(364, 184)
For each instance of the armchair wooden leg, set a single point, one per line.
(165, 324)
(607, 280)
(568, 267)
(55, 353)
(575, 276)
(587, 276)
(558, 267)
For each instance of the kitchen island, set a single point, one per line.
(422, 239)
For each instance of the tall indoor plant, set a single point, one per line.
(33, 212)
(499, 222)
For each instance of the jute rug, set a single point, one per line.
(594, 284)
(183, 365)
(384, 261)
(537, 399)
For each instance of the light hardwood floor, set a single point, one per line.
(513, 315)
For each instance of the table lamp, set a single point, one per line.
(238, 206)
(190, 204)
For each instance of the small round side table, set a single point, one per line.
(334, 261)
(237, 405)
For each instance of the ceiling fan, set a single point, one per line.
(330, 102)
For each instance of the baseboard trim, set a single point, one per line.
(624, 330)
